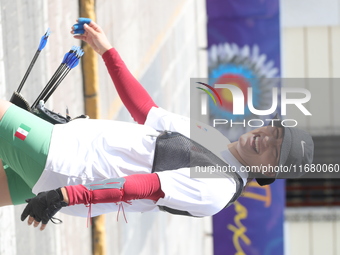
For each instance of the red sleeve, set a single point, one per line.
(138, 186)
(135, 98)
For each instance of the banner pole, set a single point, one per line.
(91, 102)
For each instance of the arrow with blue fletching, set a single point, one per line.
(42, 44)
(70, 60)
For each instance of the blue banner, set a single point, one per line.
(244, 50)
(253, 225)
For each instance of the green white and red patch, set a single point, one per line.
(22, 132)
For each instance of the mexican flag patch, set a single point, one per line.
(22, 132)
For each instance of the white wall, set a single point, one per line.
(312, 231)
(310, 50)
(310, 13)
(311, 53)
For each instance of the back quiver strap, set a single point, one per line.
(41, 111)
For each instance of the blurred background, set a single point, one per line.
(164, 44)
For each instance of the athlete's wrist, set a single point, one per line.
(104, 48)
(65, 195)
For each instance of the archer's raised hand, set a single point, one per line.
(88, 31)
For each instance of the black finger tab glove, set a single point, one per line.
(44, 206)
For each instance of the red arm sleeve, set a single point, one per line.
(138, 186)
(135, 98)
